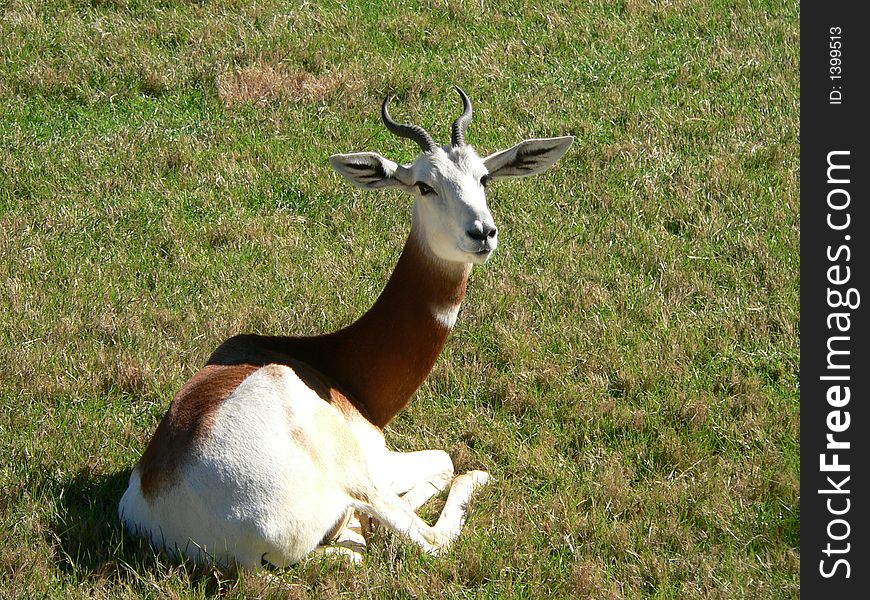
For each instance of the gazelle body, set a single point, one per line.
(267, 451)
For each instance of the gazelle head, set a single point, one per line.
(449, 183)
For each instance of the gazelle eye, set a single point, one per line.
(484, 181)
(425, 189)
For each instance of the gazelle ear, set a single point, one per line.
(529, 157)
(369, 170)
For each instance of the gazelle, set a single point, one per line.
(266, 452)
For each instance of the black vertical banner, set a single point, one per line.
(835, 299)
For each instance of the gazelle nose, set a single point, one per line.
(481, 232)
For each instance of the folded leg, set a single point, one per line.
(418, 476)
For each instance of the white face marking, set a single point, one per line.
(446, 315)
(451, 209)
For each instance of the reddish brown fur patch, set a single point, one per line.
(190, 417)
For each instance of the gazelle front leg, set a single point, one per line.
(397, 515)
(418, 476)
(415, 476)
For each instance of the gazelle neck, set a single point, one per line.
(380, 360)
(383, 357)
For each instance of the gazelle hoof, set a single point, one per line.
(479, 478)
(472, 480)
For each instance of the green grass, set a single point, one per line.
(626, 366)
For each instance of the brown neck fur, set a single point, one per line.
(381, 359)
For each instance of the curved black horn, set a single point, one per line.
(457, 131)
(412, 132)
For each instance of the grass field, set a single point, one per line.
(626, 366)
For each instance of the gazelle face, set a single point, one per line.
(450, 209)
(449, 183)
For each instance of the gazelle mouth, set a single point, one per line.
(481, 256)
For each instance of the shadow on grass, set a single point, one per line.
(86, 528)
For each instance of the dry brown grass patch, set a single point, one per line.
(262, 84)
(615, 486)
(123, 372)
(589, 580)
(152, 84)
(47, 78)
